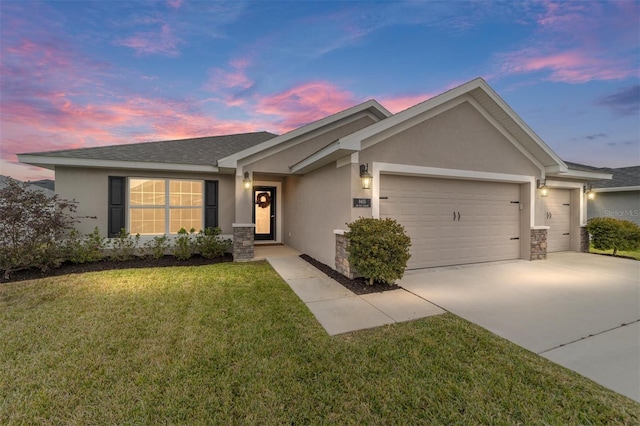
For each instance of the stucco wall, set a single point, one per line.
(619, 205)
(90, 188)
(314, 205)
(460, 138)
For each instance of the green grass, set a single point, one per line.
(231, 343)
(633, 254)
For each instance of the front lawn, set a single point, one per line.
(231, 343)
(633, 254)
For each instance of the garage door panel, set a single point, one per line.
(558, 219)
(429, 209)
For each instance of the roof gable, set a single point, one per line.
(487, 101)
(299, 135)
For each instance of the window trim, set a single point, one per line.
(167, 202)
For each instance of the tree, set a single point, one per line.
(32, 227)
(609, 233)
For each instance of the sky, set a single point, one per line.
(77, 74)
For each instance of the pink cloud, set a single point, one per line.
(401, 103)
(568, 67)
(305, 103)
(175, 3)
(152, 43)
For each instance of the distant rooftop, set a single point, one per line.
(622, 176)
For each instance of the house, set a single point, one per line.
(33, 186)
(619, 197)
(461, 171)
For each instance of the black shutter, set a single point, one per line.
(117, 195)
(210, 203)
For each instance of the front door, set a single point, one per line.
(264, 212)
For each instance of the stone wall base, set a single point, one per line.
(342, 256)
(243, 242)
(538, 244)
(584, 239)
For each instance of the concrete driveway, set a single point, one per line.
(579, 310)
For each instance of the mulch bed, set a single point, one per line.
(106, 265)
(356, 285)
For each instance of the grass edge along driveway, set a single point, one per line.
(231, 343)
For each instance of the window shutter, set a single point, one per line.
(117, 195)
(210, 203)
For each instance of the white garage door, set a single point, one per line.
(453, 222)
(558, 219)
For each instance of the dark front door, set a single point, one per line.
(264, 212)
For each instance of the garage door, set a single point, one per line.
(558, 219)
(453, 222)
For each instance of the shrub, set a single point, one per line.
(184, 245)
(87, 248)
(209, 243)
(157, 247)
(32, 227)
(124, 246)
(609, 233)
(378, 249)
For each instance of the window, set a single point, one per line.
(163, 206)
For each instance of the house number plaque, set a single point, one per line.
(362, 202)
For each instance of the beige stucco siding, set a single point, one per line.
(281, 161)
(314, 205)
(89, 187)
(459, 138)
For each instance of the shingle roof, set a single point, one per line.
(622, 176)
(201, 151)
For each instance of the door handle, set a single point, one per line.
(454, 216)
(458, 216)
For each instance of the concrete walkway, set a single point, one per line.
(340, 310)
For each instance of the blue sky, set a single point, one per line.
(82, 74)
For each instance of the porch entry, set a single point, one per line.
(264, 212)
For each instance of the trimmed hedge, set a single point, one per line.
(378, 249)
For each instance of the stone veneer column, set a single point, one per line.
(342, 255)
(539, 243)
(243, 241)
(584, 239)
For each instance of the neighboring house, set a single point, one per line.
(619, 197)
(460, 171)
(32, 186)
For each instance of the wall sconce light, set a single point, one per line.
(588, 191)
(246, 182)
(365, 176)
(542, 187)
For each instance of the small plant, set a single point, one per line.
(209, 243)
(378, 249)
(124, 246)
(184, 245)
(609, 233)
(157, 247)
(87, 248)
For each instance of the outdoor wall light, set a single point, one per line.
(365, 176)
(246, 182)
(542, 187)
(588, 191)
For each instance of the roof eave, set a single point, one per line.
(49, 162)
(582, 174)
(617, 189)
